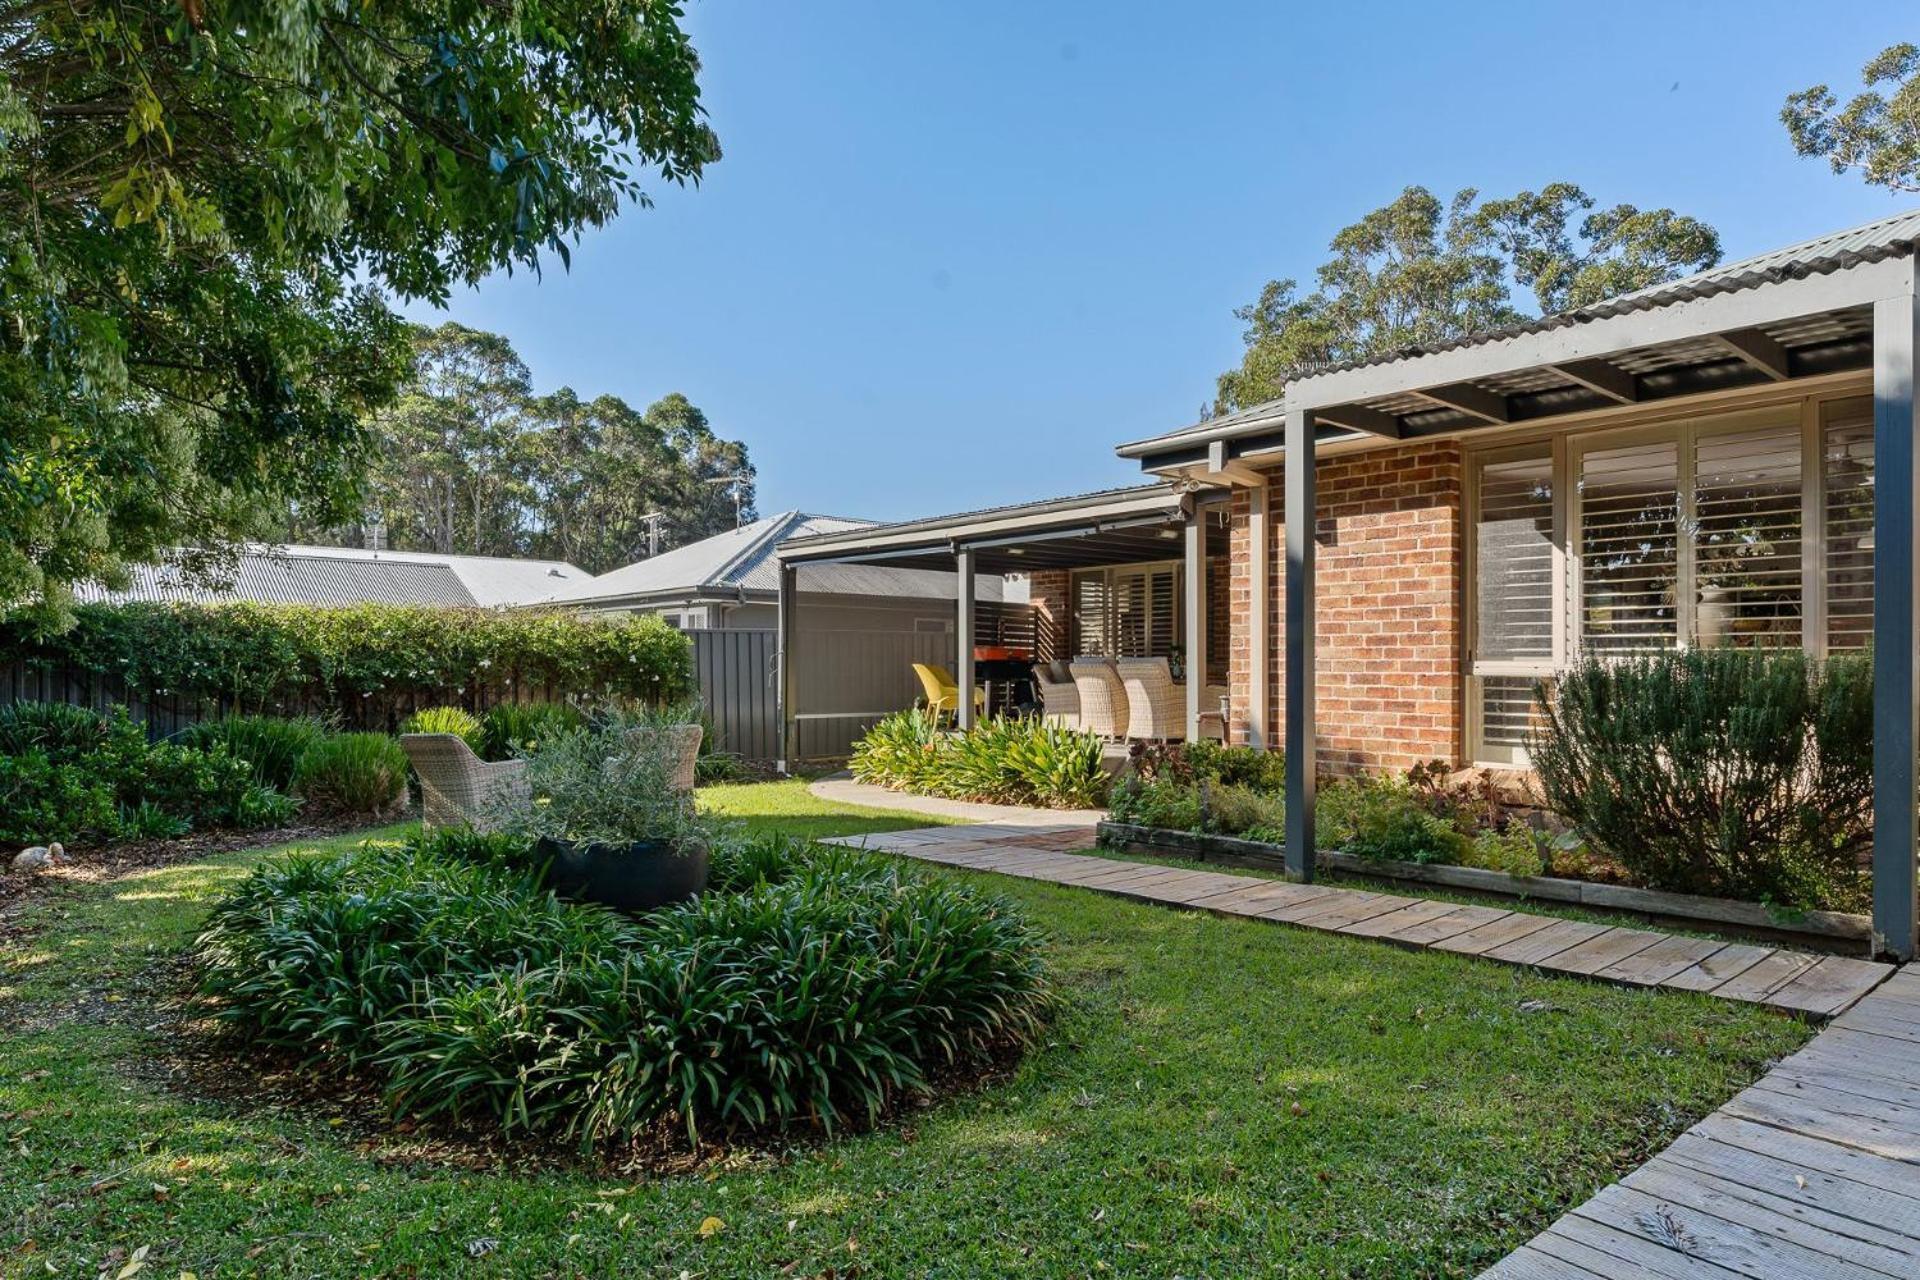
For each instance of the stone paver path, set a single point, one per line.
(1813, 986)
(1813, 1173)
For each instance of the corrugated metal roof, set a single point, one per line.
(1891, 237)
(1045, 506)
(1875, 241)
(742, 560)
(349, 575)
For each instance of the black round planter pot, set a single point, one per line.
(639, 876)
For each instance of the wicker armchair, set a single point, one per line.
(1059, 696)
(1158, 706)
(1103, 700)
(683, 746)
(457, 787)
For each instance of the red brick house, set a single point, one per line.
(1695, 463)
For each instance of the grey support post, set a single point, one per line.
(963, 638)
(1896, 711)
(784, 632)
(1299, 464)
(1196, 606)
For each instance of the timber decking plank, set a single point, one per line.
(1723, 965)
(1665, 958)
(1613, 1253)
(1706, 1237)
(1390, 924)
(1497, 932)
(1832, 984)
(1764, 1213)
(1816, 1156)
(1350, 908)
(1763, 979)
(1602, 950)
(1430, 933)
(1548, 942)
(1530, 1263)
(1795, 1187)
(1807, 1116)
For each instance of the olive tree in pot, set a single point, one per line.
(603, 809)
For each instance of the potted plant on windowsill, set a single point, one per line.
(603, 811)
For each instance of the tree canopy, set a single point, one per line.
(1877, 133)
(202, 200)
(475, 463)
(1420, 270)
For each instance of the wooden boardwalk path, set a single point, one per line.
(1813, 1173)
(1813, 986)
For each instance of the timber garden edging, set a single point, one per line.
(1826, 929)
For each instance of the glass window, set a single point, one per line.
(1629, 557)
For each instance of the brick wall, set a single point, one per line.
(1390, 537)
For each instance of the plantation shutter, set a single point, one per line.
(1846, 452)
(1513, 547)
(1163, 612)
(1747, 499)
(1090, 614)
(1514, 599)
(1629, 553)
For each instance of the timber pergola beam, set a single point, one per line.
(1759, 350)
(1476, 402)
(1601, 378)
(1358, 417)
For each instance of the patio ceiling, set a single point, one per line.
(1124, 526)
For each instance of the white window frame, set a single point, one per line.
(1567, 449)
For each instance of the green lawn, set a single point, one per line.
(1219, 1098)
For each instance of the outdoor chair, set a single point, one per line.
(1059, 695)
(943, 692)
(1103, 699)
(457, 787)
(683, 747)
(1157, 706)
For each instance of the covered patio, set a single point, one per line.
(1591, 454)
(1127, 573)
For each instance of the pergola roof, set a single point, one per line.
(1792, 312)
(1112, 526)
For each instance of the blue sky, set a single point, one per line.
(955, 252)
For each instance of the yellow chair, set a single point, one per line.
(943, 692)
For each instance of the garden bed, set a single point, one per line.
(1826, 929)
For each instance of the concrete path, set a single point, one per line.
(844, 790)
(1813, 1173)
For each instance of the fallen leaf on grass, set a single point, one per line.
(711, 1226)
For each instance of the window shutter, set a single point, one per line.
(1747, 500)
(1629, 553)
(1513, 553)
(1846, 450)
(1089, 614)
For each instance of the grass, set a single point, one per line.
(1220, 1097)
(788, 806)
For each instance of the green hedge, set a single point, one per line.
(365, 664)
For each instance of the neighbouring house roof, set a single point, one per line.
(739, 565)
(350, 575)
(1838, 251)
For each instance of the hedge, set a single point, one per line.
(367, 664)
